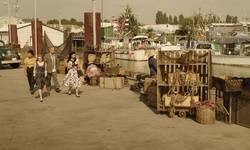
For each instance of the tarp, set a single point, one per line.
(232, 39)
(62, 50)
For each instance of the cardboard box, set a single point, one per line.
(111, 82)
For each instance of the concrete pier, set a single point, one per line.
(101, 119)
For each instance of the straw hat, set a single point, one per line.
(151, 53)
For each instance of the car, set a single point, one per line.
(9, 56)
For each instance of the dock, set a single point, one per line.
(101, 118)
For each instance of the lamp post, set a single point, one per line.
(35, 28)
(8, 4)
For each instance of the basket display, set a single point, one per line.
(205, 115)
(205, 111)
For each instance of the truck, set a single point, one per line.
(8, 56)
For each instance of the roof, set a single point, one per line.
(232, 39)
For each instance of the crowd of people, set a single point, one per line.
(40, 70)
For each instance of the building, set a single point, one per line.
(24, 34)
(9, 20)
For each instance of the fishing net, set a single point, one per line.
(62, 50)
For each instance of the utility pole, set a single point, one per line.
(59, 19)
(16, 6)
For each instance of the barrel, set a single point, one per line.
(94, 81)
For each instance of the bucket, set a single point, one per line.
(91, 57)
(205, 115)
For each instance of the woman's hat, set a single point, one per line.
(151, 53)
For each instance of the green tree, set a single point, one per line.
(54, 21)
(170, 19)
(73, 21)
(65, 21)
(131, 24)
(106, 21)
(181, 18)
(175, 20)
(161, 18)
(80, 23)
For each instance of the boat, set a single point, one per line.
(228, 50)
(136, 49)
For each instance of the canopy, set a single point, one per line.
(138, 37)
(232, 39)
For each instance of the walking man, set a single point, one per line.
(52, 67)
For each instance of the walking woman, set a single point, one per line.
(29, 62)
(40, 73)
(72, 80)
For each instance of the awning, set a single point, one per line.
(232, 39)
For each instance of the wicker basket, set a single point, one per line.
(205, 115)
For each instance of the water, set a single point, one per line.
(218, 70)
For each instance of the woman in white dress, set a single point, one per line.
(71, 79)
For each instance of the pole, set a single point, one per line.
(35, 30)
(94, 23)
(102, 13)
(59, 15)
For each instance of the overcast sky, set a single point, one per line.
(145, 10)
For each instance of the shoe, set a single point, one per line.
(41, 99)
(32, 92)
(77, 96)
(48, 88)
(58, 90)
(69, 92)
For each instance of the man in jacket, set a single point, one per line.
(152, 63)
(52, 67)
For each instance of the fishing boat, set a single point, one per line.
(228, 50)
(136, 49)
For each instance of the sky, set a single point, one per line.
(144, 10)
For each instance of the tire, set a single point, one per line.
(182, 114)
(16, 65)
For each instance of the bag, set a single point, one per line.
(80, 73)
(33, 80)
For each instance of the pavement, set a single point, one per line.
(101, 119)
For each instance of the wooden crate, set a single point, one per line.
(152, 96)
(111, 82)
(228, 84)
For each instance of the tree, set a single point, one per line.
(175, 20)
(161, 18)
(106, 21)
(54, 21)
(129, 22)
(170, 19)
(73, 21)
(181, 18)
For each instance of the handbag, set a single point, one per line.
(80, 73)
(33, 80)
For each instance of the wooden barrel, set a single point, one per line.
(94, 81)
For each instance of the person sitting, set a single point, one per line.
(92, 71)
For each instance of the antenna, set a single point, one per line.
(16, 6)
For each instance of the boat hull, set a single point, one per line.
(232, 60)
(136, 55)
